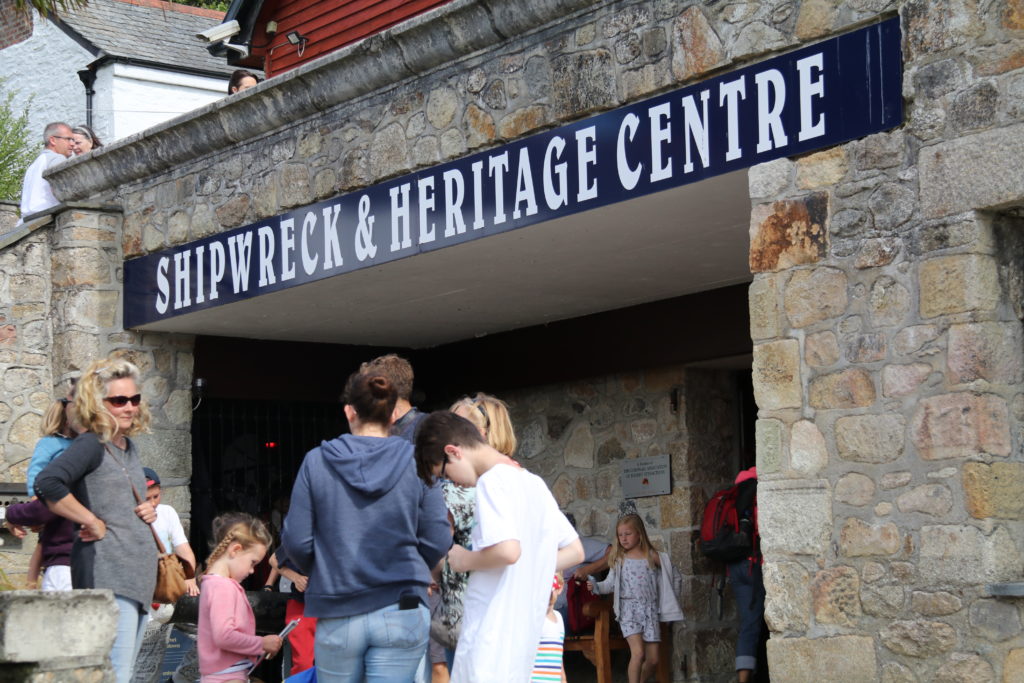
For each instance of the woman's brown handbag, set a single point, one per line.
(170, 576)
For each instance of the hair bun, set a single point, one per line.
(380, 387)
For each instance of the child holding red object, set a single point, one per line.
(228, 644)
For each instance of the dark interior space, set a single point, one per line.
(263, 404)
(686, 329)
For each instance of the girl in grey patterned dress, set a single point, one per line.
(635, 568)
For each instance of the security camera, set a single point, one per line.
(220, 32)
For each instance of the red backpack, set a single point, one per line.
(722, 537)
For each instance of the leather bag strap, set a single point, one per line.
(138, 499)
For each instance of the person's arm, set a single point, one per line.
(434, 532)
(184, 551)
(569, 555)
(298, 580)
(35, 564)
(32, 513)
(282, 567)
(570, 547)
(55, 481)
(606, 586)
(499, 500)
(275, 572)
(492, 557)
(225, 631)
(297, 536)
(595, 567)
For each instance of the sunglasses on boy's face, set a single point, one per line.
(118, 401)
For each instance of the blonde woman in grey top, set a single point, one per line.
(91, 484)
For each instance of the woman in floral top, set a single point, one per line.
(490, 415)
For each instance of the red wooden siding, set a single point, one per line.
(328, 25)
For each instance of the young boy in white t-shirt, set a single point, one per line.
(168, 527)
(520, 539)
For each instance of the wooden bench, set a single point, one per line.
(597, 646)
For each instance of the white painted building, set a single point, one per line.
(121, 66)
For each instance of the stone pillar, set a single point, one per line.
(576, 435)
(9, 213)
(888, 370)
(25, 339)
(57, 636)
(87, 324)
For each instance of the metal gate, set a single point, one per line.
(245, 454)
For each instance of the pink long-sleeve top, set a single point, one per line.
(227, 626)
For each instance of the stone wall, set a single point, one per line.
(26, 338)
(60, 308)
(576, 437)
(885, 307)
(9, 213)
(888, 371)
(444, 85)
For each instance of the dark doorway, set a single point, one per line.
(246, 454)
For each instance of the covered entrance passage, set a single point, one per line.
(613, 334)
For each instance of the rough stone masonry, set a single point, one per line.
(885, 305)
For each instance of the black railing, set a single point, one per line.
(245, 455)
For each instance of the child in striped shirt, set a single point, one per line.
(547, 666)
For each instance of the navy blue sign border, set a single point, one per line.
(835, 91)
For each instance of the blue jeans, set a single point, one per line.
(131, 625)
(384, 646)
(748, 587)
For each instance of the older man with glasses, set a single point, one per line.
(36, 194)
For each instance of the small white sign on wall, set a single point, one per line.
(646, 476)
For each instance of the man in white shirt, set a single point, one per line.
(36, 194)
(168, 527)
(149, 663)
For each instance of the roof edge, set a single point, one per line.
(176, 7)
(442, 35)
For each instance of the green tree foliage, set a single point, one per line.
(218, 5)
(45, 7)
(17, 150)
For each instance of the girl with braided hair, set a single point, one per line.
(227, 642)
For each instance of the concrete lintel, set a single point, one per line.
(412, 48)
(41, 219)
(83, 622)
(35, 222)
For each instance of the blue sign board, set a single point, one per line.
(815, 97)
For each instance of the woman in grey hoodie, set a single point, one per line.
(366, 531)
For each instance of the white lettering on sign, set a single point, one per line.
(555, 196)
(454, 193)
(240, 251)
(760, 113)
(628, 176)
(810, 87)
(730, 95)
